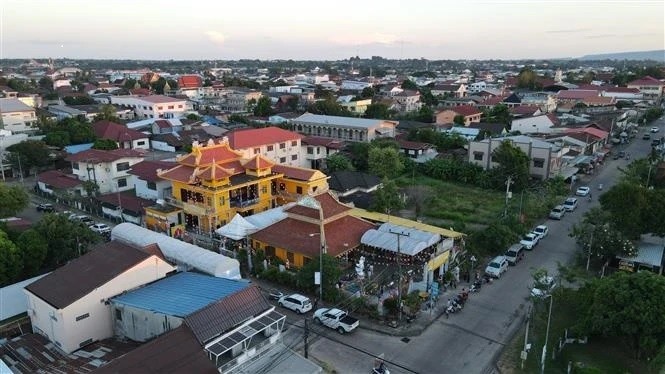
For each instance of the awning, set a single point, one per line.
(568, 171)
(437, 261)
(389, 242)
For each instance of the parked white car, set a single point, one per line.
(543, 287)
(570, 204)
(100, 228)
(541, 231)
(557, 212)
(583, 191)
(336, 319)
(296, 302)
(529, 240)
(497, 266)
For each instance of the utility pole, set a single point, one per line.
(306, 337)
(526, 338)
(509, 182)
(399, 272)
(588, 258)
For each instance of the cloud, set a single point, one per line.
(43, 42)
(215, 36)
(356, 39)
(566, 31)
(601, 36)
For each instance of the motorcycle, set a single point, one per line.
(475, 287)
(600, 186)
(487, 279)
(381, 369)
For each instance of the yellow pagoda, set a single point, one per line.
(214, 182)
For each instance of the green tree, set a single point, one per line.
(527, 78)
(81, 133)
(459, 120)
(338, 162)
(627, 204)
(193, 117)
(263, 107)
(78, 100)
(10, 260)
(627, 305)
(425, 114)
(387, 198)
(46, 83)
(33, 248)
(597, 236)
(409, 85)
(107, 112)
(30, 154)
(385, 162)
(328, 107)
(66, 239)
(329, 278)
(129, 83)
(13, 199)
(496, 238)
(58, 139)
(368, 93)
(105, 144)
(359, 152)
(512, 162)
(499, 114)
(378, 111)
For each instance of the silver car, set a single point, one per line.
(557, 212)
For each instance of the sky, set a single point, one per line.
(327, 30)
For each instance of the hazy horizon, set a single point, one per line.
(301, 30)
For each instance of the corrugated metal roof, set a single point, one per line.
(182, 294)
(380, 217)
(340, 121)
(647, 253)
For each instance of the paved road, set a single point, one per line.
(471, 341)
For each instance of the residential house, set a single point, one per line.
(471, 114)
(238, 98)
(279, 145)
(454, 102)
(152, 106)
(525, 111)
(457, 90)
(575, 96)
(317, 149)
(190, 86)
(17, 117)
(282, 118)
(650, 87)
(123, 136)
(492, 129)
(65, 111)
(546, 101)
(407, 101)
(69, 306)
(476, 87)
(390, 90)
(354, 85)
(146, 182)
(347, 182)
(108, 169)
(542, 124)
(214, 182)
(59, 184)
(8, 92)
(417, 151)
(344, 128)
(544, 157)
(124, 206)
(357, 107)
(622, 93)
(323, 225)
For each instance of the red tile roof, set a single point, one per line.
(341, 235)
(466, 110)
(99, 156)
(147, 170)
(293, 172)
(405, 144)
(599, 100)
(493, 100)
(127, 200)
(621, 89)
(646, 81)
(248, 138)
(206, 154)
(213, 172)
(331, 207)
(58, 179)
(190, 81)
(527, 110)
(140, 91)
(576, 94)
(180, 173)
(259, 162)
(163, 124)
(596, 133)
(115, 131)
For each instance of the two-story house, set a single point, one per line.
(316, 149)
(146, 182)
(70, 305)
(650, 87)
(450, 90)
(544, 157)
(17, 117)
(344, 128)
(108, 169)
(279, 145)
(542, 124)
(152, 106)
(214, 182)
(124, 137)
(407, 101)
(357, 107)
(238, 98)
(471, 114)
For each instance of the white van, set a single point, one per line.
(514, 254)
(497, 266)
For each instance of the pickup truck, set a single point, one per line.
(336, 319)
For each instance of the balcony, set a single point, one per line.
(243, 203)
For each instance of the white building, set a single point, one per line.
(542, 124)
(154, 106)
(17, 117)
(69, 306)
(476, 87)
(344, 128)
(146, 182)
(108, 169)
(355, 85)
(281, 146)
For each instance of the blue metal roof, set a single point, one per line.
(73, 149)
(180, 295)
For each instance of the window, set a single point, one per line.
(257, 151)
(294, 143)
(282, 145)
(160, 107)
(270, 251)
(85, 342)
(142, 142)
(299, 190)
(478, 156)
(294, 157)
(264, 189)
(222, 201)
(82, 316)
(171, 107)
(270, 148)
(538, 163)
(179, 106)
(122, 166)
(282, 160)
(152, 186)
(75, 165)
(290, 256)
(122, 182)
(118, 314)
(310, 150)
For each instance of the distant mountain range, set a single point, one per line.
(658, 55)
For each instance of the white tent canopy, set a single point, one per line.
(388, 241)
(268, 217)
(429, 238)
(237, 229)
(178, 251)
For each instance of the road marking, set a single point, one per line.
(471, 332)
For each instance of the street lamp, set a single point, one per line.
(547, 335)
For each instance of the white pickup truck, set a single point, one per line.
(336, 319)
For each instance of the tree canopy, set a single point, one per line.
(105, 144)
(263, 107)
(29, 154)
(13, 199)
(378, 111)
(512, 162)
(66, 239)
(10, 260)
(338, 162)
(331, 273)
(385, 162)
(387, 198)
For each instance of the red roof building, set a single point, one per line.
(121, 134)
(190, 81)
